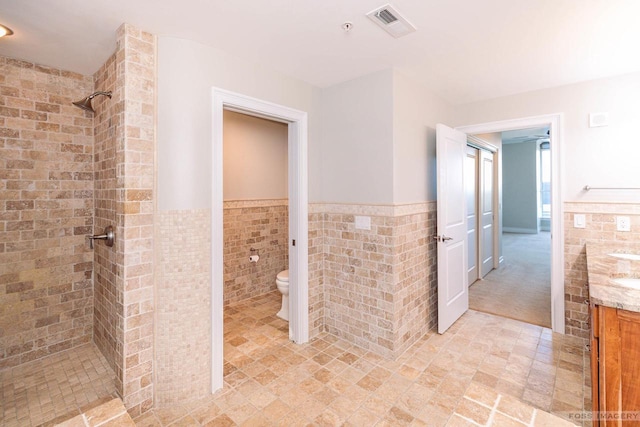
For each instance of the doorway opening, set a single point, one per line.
(548, 203)
(520, 286)
(297, 242)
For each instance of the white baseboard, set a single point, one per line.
(519, 230)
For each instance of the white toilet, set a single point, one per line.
(282, 281)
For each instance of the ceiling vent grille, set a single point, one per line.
(390, 20)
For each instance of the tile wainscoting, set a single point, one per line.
(600, 227)
(379, 285)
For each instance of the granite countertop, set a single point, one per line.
(606, 265)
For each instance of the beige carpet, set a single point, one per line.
(521, 288)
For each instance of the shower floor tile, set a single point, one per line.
(58, 385)
(485, 370)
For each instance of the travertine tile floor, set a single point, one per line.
(55, 386)
(486, 370)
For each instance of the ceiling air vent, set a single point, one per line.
(391, 21)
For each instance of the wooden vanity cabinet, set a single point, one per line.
(615, 366)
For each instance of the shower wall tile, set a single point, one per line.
(183, 332)
(108, 327)
(124, 176)
(46, 208)
(254, 224)
(135, 204)
(600, 227)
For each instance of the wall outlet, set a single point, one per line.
(579, 221)
(363, 222)
(623, 223)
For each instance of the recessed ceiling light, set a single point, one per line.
(5, 31)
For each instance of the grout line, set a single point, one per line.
(493, 411)
(533, 417)
(455, 414)
(479, 403)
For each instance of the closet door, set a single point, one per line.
(471, 191)
(486, 224)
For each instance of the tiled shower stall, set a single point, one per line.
(66, 174)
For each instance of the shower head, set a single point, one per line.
(85, 103)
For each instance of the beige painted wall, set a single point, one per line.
(603, 156)
(255, 158)
(378, 140)
(187, 72)
(357, 138)
(416, 112)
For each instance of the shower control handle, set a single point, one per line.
(107, 236)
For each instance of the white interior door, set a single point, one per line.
(453, 291)
(486, 212)
(471, 189)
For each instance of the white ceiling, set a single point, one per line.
(463, 50)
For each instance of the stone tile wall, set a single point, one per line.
(379, 284)
(108, 326)
(600, 227)
(358, 281)
(183, 332)
(46, 209)
(415, 277)
(262, 225)
(316, 272)
(135, 205)
(124, 175)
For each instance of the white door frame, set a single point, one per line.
(554, 121)
(298, 219)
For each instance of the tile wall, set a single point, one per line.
(135, 204)
(358, 280)
(46, 209)
(124, 176)
(379, 284)
(108, 327)
(316, 272)
(415, 276)
(262, 225)
(183, 314)
(600, 227)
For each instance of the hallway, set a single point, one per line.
(521, 288)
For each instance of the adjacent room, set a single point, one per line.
(520, 287)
